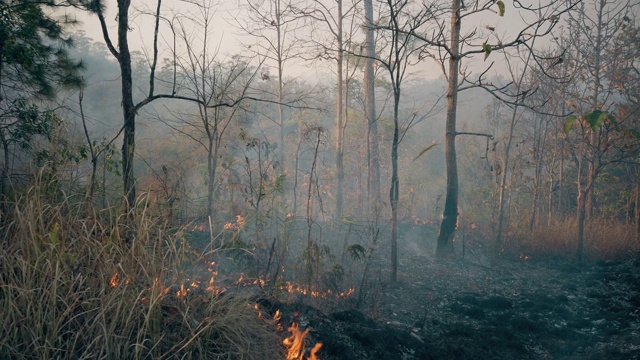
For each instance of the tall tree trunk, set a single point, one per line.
(394, 190)
(128, 107)
(497, 248)
(450, 214)
(211, 172)
(595, 104)
(4, 175)
(339, 120)
(537, 173)
(583, 190)
(581, 213)
(370, 112)
(637, 208)
(280, 60)
(561, 207)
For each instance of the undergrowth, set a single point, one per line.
(604, 240)
(71, 289)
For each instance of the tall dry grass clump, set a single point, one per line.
(604, 240)
(70, 289)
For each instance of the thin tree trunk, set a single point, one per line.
(637, 209)
(211, 172)
(450, 215)
(581, 213)
(339, 120)
(4, 176)
(92, 152)
(394, 190)
(370, 112)
(503, 183)
(281, 153)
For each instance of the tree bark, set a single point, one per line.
(394, 190)
(450, 214)
(637, 208)
(370, 112)
(339, 119)
(128, 107)
(497, 248)
(279, 55)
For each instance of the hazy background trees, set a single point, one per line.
(320, 105)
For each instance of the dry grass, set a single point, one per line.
(604, 240)
(59, 298)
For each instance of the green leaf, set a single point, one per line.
(596, 118)
(568, 123)
(487, 49)
(357, 252)
(500, 8)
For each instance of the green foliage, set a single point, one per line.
(595, 119)
(32, 51)
(500, 8)
(34, 64)
(357, 252)
(25, 121)
(487, 49)
(568, 123)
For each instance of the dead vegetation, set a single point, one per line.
(70, 289)
(604, 240)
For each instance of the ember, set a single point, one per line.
(114, 280)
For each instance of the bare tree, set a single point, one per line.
(329, 37)
(399, 51)
(593, 37)
(130, 108)
(213, 83)
(273, 24)
(373, 152)
(447, 48)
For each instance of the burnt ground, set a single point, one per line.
(517, 309)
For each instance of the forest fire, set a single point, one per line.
(295, 344)
(292, 288)
(115, 280)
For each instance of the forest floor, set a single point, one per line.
(517, 309)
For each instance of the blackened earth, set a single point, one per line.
(515, 309)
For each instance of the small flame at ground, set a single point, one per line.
(114, 280)
(295, 343)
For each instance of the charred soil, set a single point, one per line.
(520, 309)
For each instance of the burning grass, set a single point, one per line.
(69, 288)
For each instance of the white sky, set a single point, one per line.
(225, 36)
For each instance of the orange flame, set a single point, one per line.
(295, 344)
(315, 349)
(114, 280)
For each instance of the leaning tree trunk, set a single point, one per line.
(450, 215)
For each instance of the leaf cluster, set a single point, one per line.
(33, 51)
